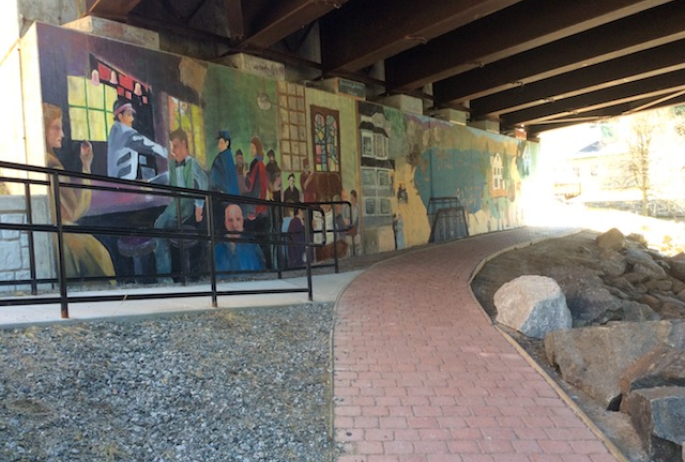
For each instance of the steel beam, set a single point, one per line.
(267, 22)
(368, 31)
(645, 64)
(111, 9)
(613, 40)
(578, 105)
(522, 27)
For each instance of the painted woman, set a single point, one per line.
(84, 255)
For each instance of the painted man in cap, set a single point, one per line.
(125, 143)
(222, 175)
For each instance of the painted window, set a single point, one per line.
(90, 109)
(326, 136)
(378, 192)
(189, 117)
(293, 126)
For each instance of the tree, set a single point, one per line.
(639, 141)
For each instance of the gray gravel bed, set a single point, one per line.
(228, 385)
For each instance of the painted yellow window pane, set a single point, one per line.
(79, 123)
(96, 96)
(110, 97)
(98, 126)
(77, 91)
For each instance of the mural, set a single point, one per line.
(412, 166)
(138, 114)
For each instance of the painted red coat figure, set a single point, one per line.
(256, 183)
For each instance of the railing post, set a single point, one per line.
(32, 244)
(335, 240)
(61, 269)
(181, 241)
(212, 263)
(307, 240)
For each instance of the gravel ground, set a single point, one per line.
(228, 385)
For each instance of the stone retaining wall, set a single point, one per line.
(14, 245)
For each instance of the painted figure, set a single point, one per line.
(237, 256)
(185, 173)
(398, 228)
(273, 173)
(125, 143)
(352, 220)
(222, 176)
(307, 183)
(240, 170)
(296, 239)
(256, 182)
(84, 255)
(291, 193)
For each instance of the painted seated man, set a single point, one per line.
(124, 143)
(185, 172)
(237, 256)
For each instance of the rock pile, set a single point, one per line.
(626, 348)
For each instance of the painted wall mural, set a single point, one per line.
(133, 113)
(407, 160)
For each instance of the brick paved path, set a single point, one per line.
(422, 376)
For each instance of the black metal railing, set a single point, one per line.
(137, 227)
(447, 218)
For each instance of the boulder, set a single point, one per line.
(612, 239)
(678, 267)
(622, 283)
(637, 237)
(671, 310)
(664, 366)
(650, 270)
(594, 358)
(677, 285)
(635, 278)
(643, 264)
(662, 285)
(650, 301)
(533, 305)
(612, 263)
(658, 415)
(638, 312)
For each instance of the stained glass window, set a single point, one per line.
(326, 137)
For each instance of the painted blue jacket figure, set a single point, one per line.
(237, 256)
(125, 143)
(222, 176)
(185, 173)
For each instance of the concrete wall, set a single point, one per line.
(395, 161)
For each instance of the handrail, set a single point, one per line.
(59, 180)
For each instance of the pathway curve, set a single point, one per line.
(421, 375)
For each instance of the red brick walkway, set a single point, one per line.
(422, 376)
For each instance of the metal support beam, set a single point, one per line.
(656, 86)
(366, 32)
(268, 22)
(111, 9)
(235, 19)
(613, 40)
(645, 64)
(524, 26)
